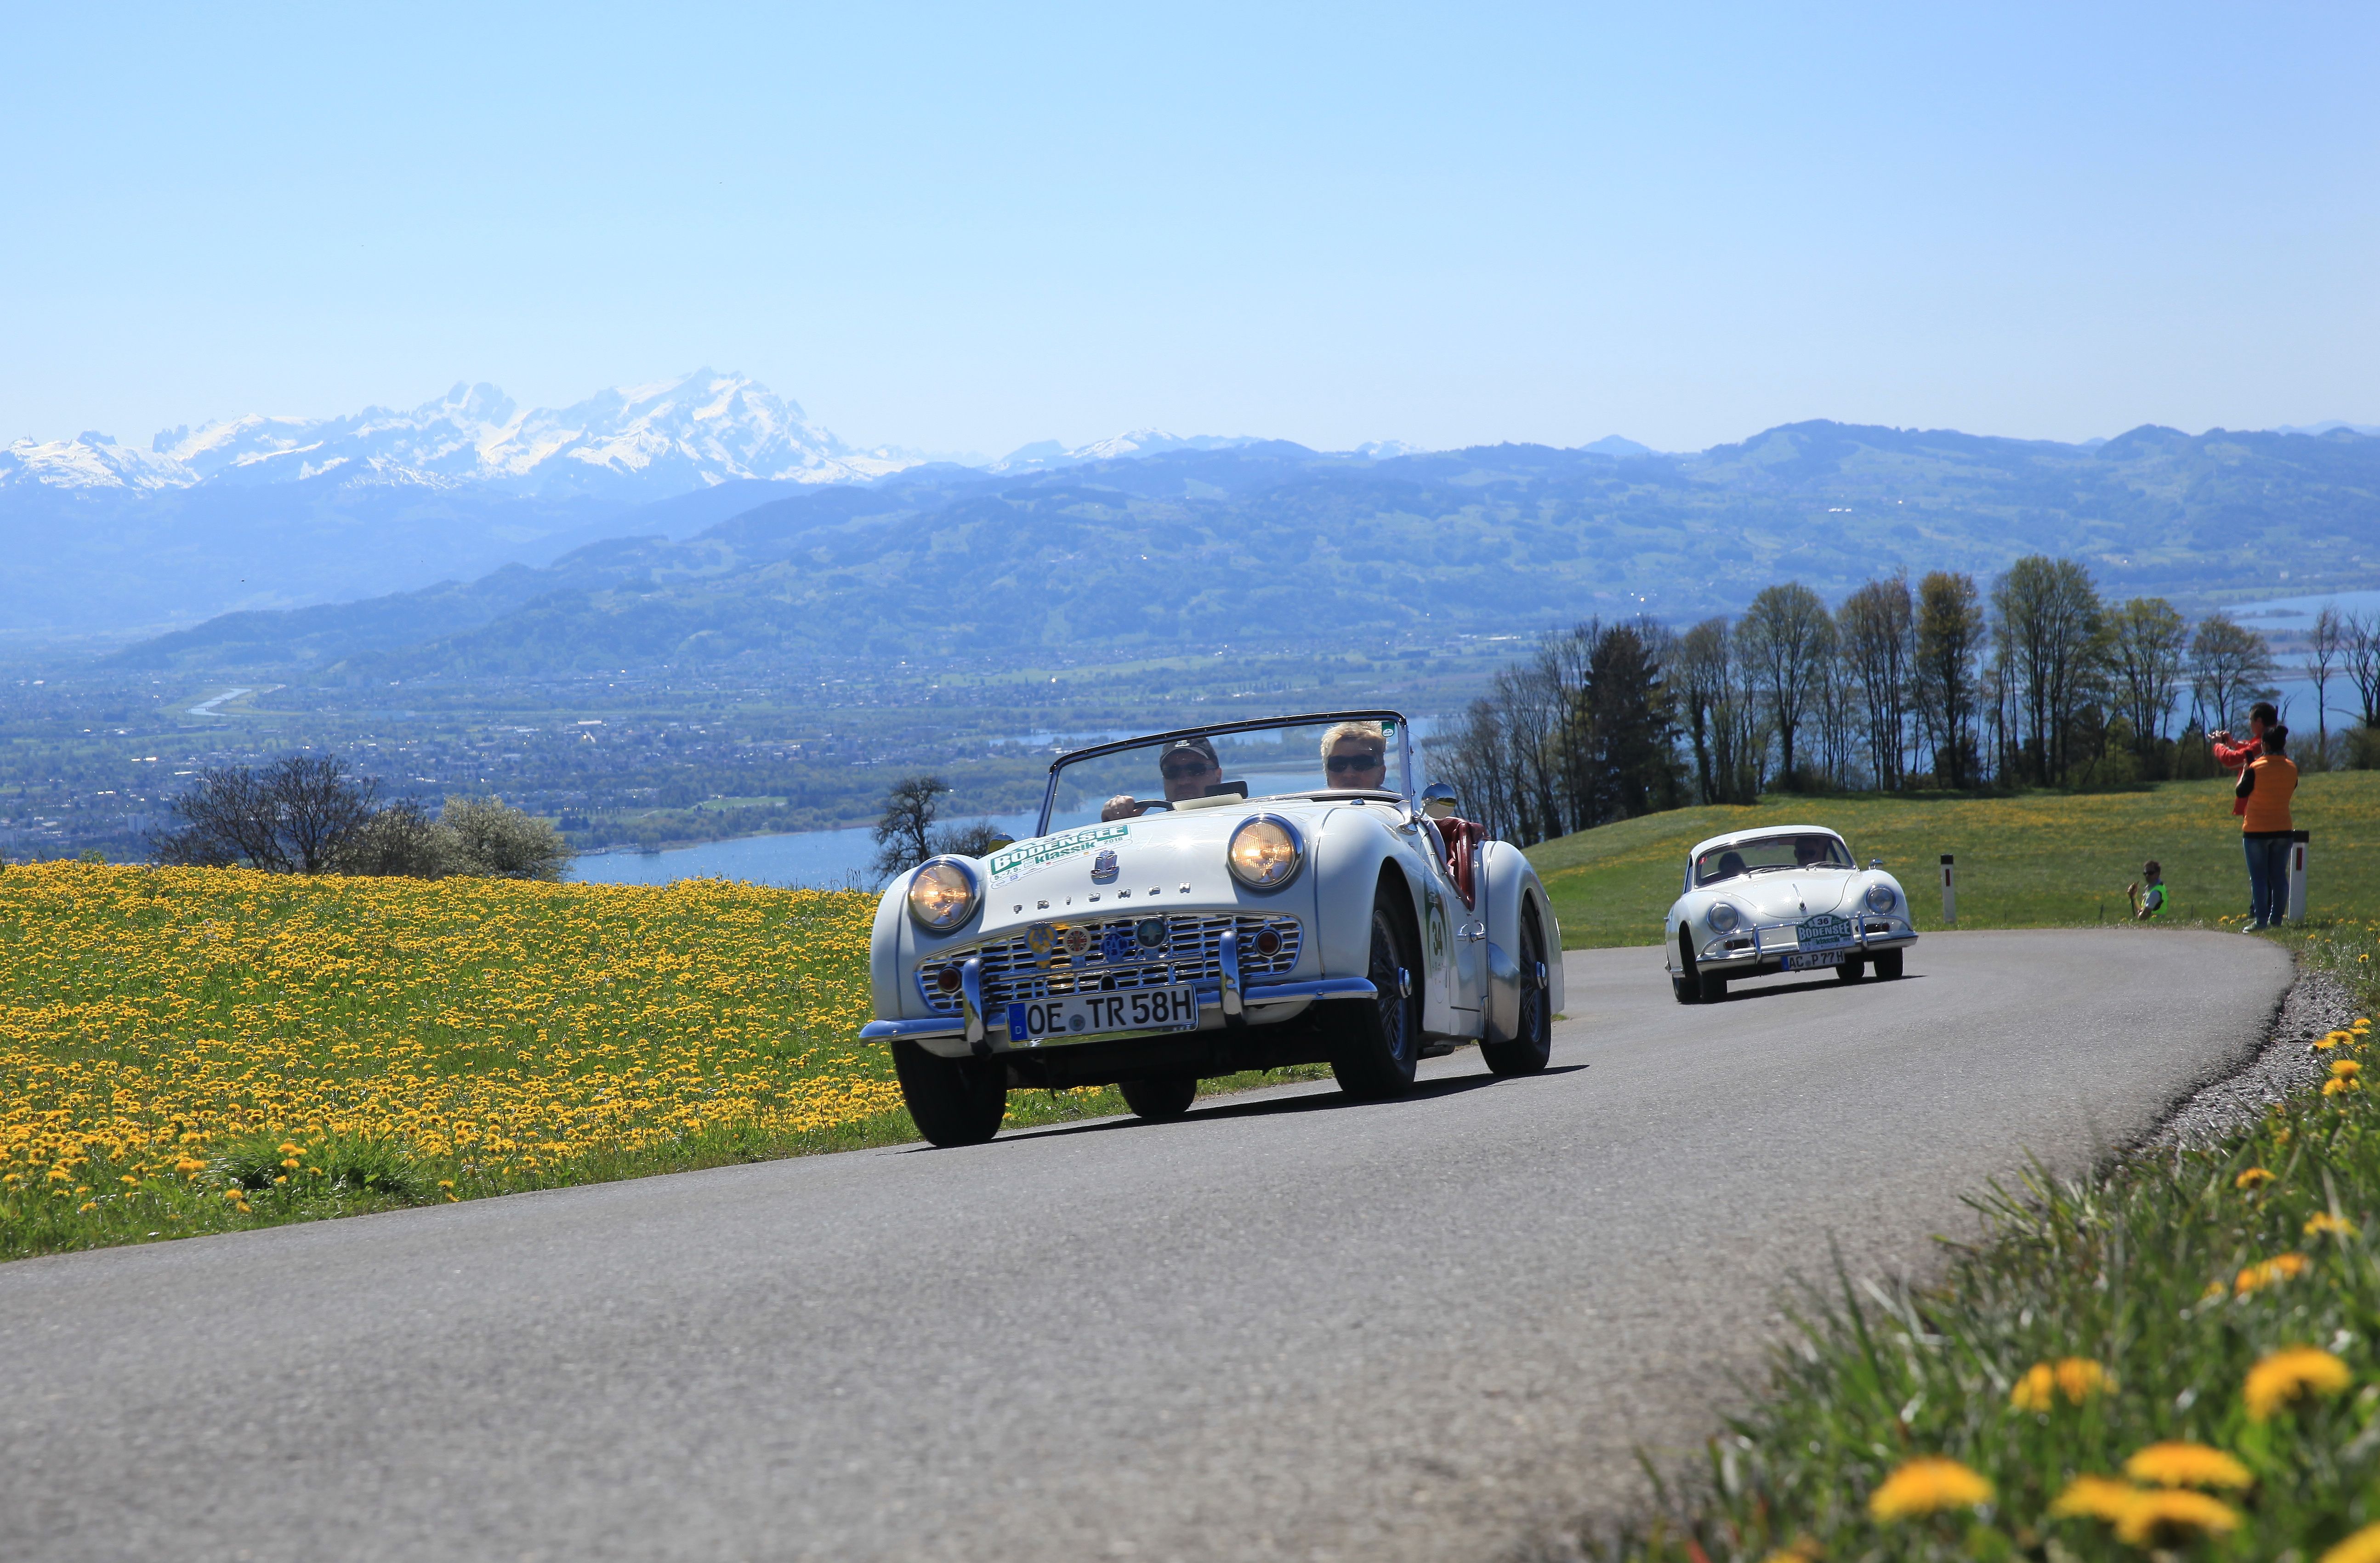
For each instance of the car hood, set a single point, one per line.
(1160, 859)
(1786, 898)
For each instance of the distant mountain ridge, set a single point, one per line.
(1268, 544)
(634, 443)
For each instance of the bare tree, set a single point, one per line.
(2048, 631)
(2363, 665)
(291, 818)
(904, 837)
(1787, 633)
(2229, 665)
(2146, 641)
(1877, 626)
(2331, 637)
(1949, 637)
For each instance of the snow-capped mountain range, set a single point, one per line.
(632, 441)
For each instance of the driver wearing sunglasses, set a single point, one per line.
(1355, 755)
(1188, 766)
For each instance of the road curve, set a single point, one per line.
(1285, 1325)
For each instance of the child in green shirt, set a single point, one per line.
(2149, 902)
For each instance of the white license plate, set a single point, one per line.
(1082, 1015)
(1815, 959)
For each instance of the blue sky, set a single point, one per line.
(958, 230)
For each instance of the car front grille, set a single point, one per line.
(1115, 961)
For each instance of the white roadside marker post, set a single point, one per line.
(1949, 895)
(2298, 840)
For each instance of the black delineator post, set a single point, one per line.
(1949, 895)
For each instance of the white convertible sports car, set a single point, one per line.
(1282, 895)
(1785, 898)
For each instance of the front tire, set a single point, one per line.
(955, 1101)
(1533, 1043)
(1168, 1097)
(1380, 1042)
(1683, 982)
(1888, 963)
(1850, 971)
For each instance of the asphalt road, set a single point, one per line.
(1282, 1326)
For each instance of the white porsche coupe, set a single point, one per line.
(1784, 898)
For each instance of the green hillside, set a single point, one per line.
(2036, 860)
(1271, 545)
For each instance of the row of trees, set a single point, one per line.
(2041, 682)
(309, 813)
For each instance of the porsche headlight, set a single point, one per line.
(1880, 898)
(1722, 918)
(942, 894)
(1265, 853)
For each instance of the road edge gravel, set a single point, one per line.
(2282, 1065)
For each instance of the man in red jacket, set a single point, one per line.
(2234, 757)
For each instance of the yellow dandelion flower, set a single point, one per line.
(2322, 1221)
(2364, 1546)
(2332, 1087)
(2187, 1465)
(2325, 1044)
(2079, 1377)
(1927, 1485)
(2361, 1023)
(2035, 1390)
(2254, 1178)
(87, 1207)
(2345, 1068)
(2272, 1272)
(2095, 1498)
(233, 1195)
(2173, 1516)
(2284, 1375)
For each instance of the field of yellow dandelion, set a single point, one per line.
(190, 1050)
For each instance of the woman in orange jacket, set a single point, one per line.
(2266, 785)
(2235, 758)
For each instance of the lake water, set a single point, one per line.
(818, 859)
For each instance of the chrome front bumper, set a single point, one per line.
(1769, 946)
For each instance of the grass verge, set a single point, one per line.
(194, 1050)
(2177, 1357)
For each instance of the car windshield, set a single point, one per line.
(1366, 752)
(1762, 854)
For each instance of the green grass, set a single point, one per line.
(2032, 860)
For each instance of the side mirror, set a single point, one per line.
(1440, 801)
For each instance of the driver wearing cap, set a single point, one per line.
(1187, 766)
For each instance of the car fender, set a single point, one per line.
(885, 952)
(1353, 844)
(1513, 887)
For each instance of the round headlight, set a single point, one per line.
(942, 894)
(1722, 918)
(1879, 898)
(1265, 853)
